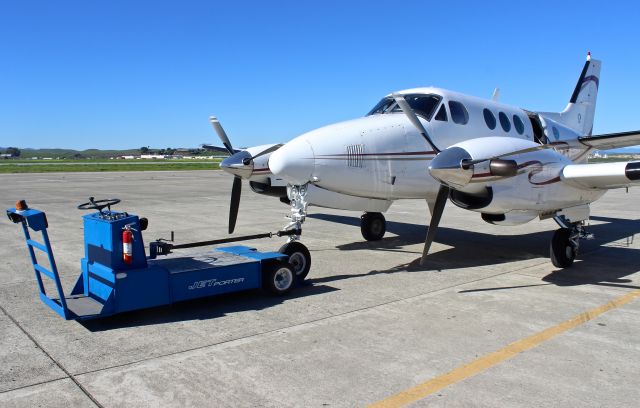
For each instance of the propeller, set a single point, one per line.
(436, 215)
(239, 164)
(271, 149)
(413, 118)
(221, 134)
(236, 190)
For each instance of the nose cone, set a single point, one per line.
(294, 162)
(235, 164)
(447, 167)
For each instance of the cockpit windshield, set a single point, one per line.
(423, 105)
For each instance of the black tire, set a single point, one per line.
(563, 252)
(299, 258)
(373, 226)
(278, 278)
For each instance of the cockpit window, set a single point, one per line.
(382, 106)
(423, 105)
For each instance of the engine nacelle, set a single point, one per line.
(511, 218)
(458, 166)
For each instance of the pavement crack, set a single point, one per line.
(56, 362)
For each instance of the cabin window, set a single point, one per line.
(489, 118)
(517, 123)
(459, 113)
(504, 122)
(442, 114)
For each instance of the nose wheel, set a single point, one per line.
(373, 226)
(299, 258)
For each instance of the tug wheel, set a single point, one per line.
(278, 278)
(563, 251)
(299, 258)
(373, 226)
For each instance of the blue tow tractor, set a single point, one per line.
(117, 276)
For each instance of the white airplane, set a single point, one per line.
(509, 164)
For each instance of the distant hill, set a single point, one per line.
(70, 153)
(26, 153)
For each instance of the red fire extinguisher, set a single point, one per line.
(127, 245)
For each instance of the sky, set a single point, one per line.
(126, 74)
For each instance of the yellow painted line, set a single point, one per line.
(460, 373)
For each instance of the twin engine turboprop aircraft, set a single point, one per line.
(509, 164)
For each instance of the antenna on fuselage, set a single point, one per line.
(496, 95)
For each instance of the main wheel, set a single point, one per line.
(278, 278)
(299, 258)
(373, 226)
(563, 251)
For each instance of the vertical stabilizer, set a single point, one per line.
(581, 109)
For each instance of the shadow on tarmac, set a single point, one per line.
(604, 260)
(202, 309)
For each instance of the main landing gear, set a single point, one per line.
(373, 226)
(566, 242)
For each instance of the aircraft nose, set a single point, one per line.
(235, 164)
(294, 162)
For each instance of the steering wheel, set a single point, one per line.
(98, 204)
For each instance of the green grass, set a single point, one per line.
(88, 166)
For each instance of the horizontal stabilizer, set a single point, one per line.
(612, 140)
(602, 176)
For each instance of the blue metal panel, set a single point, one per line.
(103, 240)
(237, 249)
(103, 272)
(263, 256)
(99, 290)
(215, 281)
(142, 288)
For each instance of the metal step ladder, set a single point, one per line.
(32, 219)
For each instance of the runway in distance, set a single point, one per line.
(509, 164)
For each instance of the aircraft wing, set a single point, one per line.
(602, 176)
(611, 140)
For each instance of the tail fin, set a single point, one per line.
(580, 111)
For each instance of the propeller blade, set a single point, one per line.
(266, 151)
(235, 203)
(413, 118)
(436, 215)
(221, 134)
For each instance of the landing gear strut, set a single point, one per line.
(566, 242)
(373, 226)
(299, 256)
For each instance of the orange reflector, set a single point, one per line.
(21, 205)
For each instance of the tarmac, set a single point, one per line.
(488, 322)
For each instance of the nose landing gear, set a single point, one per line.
(299, 256)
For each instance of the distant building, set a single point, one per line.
(153, 156)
